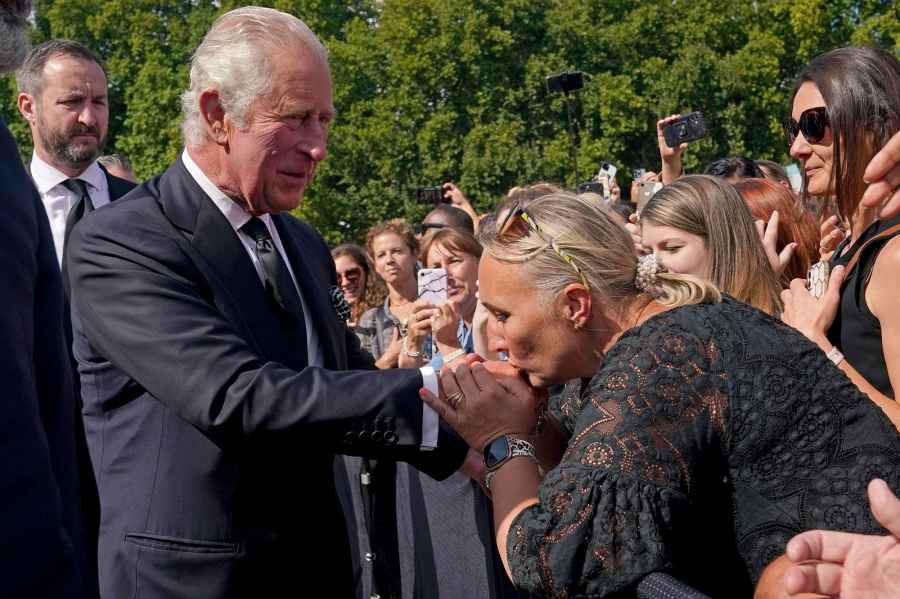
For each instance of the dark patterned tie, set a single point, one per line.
(82, 206)
(278, 281)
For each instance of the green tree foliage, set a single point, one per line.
(435, 90)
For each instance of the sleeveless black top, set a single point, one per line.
(856, 331)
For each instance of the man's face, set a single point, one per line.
(273, 159)
(69, 118)
(13, 33)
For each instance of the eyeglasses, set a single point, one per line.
(351, 274)
(813, 125)
(519, 223)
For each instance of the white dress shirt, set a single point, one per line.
(238, 217)
(58, 200)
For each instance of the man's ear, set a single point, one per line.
(213, 116)
(576, 305)
(27, 107)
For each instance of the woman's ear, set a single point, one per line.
(576, 305)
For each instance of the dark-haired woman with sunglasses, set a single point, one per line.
(845, 108)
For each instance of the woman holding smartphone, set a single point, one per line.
(445, 327)
(844, 109)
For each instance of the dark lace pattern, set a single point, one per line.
(710, 436)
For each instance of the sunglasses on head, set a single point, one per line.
(813, 124)
(517, 223)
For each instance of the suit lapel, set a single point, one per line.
(117, 187)
(313, 283)
(224, 261)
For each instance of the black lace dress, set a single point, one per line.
(711, 435)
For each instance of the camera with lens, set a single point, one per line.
(564, 83)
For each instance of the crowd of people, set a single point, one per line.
(205, 400)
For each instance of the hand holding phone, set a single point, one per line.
(433, 285)
(690, 127)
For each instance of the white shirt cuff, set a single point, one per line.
(429, 416)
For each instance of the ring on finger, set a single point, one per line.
(454, 398)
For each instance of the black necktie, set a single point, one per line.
(82, 206)
(278, 281)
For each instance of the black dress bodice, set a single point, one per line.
(710, 436)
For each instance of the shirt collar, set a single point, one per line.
(47, 177)
(234, 212)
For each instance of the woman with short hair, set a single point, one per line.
(393, 248)
(703, 433)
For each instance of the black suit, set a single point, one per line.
(211, 438)
(90, 502)
(41, 540)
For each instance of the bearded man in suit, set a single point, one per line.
(217, 379)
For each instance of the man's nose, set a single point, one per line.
(88, 115)
(315, 141)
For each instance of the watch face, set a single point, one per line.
(496, 451)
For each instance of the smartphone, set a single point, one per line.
(431, 195)
(817, 278)
(607, 169)
(433, 285)
(645, 191)
(638, 173)
(690, 127)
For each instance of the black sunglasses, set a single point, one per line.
(422, 228)
(813, 125)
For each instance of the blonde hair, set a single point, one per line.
(602, 249)
(711, 208)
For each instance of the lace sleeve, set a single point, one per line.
(607, 512)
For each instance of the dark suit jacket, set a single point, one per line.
(41, 540)
(211, 438)
(90, 502)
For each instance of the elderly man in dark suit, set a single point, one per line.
(41, 545)
(214, 368)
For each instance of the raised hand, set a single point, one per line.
(671, 157)
(809, 315)
(883, 177)
(831, 234)
(768, 235)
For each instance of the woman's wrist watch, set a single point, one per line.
(501, 450)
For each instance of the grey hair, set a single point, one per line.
(235, 58)
(602, 249)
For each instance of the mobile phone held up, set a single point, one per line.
(431, 195)
(433, 285)
(690, 127)
(645, 191)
